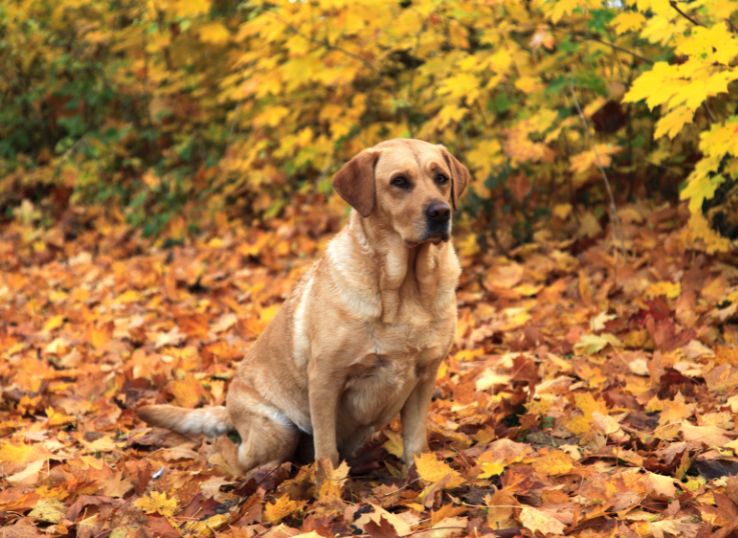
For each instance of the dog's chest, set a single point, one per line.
(417, 340)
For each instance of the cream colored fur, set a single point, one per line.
(360, 339)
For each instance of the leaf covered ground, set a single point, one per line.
(591, 390)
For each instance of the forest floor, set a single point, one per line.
(591, 390)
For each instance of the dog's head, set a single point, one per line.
(408, 185)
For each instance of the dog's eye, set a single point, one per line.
(401, 182)
(441, 179)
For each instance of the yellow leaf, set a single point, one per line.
(53, 322)
(672, 123)
(627, 21)
(491, 468)
(450, 113)
(268, 313)
(20, 454)
(271, 116)
(656, 86)
(716, 44)
(48, 511)
(552, 463)
(562, 8)
(157, 502)
(536, 520)
(562, 211)
(213, 32)
(187, 392)
(207, 526)
(431, 470)
(393, 444)
(670, 290)
(191, 8)
(600, 154)
(468, 246)
(460, 86)
(57, 419)
(528, 84)
(721, 139)
(515, 316)
(589, 344)
(697, 87)
(699, 231)
(588, 406)
(332, 486)
(130, 296)
(281, 508)
(699, 189)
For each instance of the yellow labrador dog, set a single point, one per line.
(361, 336)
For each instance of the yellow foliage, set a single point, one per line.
(245, 106)
(157, 502)
(431, 470)
(282, 507)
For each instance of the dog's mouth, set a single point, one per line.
(436, 238)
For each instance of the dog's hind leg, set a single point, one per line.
(265, 441)
(267, 435)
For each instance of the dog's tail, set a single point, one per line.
(211, 421)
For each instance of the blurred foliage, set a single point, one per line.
(172, 111)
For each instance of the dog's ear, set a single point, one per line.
(460, 176)
(354, 182)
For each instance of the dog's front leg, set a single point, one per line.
(415, 411)
(324, 390)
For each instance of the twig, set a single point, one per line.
(617, 227)
(619, 48)
(687, 16)
(709, 111)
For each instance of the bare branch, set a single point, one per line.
(687, 16)
(618, 47)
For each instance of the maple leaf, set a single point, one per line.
(714, 44)
(48, 511)
(281, 508)
(672, 123)
(553, 462)
(157, 502)
(589, 344)
(627, 21)
(331, 487)
(432, 470)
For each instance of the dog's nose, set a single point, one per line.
(438, 211)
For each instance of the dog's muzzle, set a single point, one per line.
(438, 218)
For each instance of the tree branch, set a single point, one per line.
(687, 16)
(617, 227)
(618, 47)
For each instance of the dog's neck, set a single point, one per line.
(400, 266)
